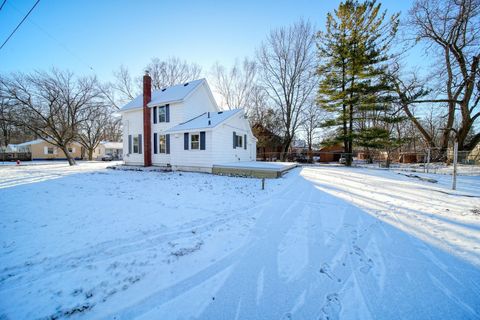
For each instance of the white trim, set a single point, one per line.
(190, 140)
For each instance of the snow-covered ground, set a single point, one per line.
(258, 165)
(434, 168)
(85, 242)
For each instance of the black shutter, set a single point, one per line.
(167, 142)
(245, 141)
(155, 115)
(167, 113)
(202, 140)
(140, 143)
(234, 140)
(155, 146)
(129, 144)
(185, 141)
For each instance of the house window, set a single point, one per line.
(162, 114)
(70, 150)
(50, 150)
(135, 144)
(162, 144)
(239, 141)
(195, 141)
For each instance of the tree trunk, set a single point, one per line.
(70, 159)
(90, 154)
(348, 161)
(285, 147)
(6, 137)
(284, 154)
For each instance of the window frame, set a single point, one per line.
(197, 142)
(50, 148)
(239, 143)
(162, 148)
(135, 144)
(162, 111)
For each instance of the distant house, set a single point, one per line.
(409, 157)
(269, 145)
(10, 148)
(466, 157)
(474, 155)
(107, 148)
(182, 127)
(330, 153)
(43, 150)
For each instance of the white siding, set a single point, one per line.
(223, 151)
(218, 141)
(132, 125)
(176, 117)
(199, 102)
(191, 158)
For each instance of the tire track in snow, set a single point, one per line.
(109, 250)
(261, 250)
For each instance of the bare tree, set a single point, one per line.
(235, 86)
(287, 70)
(52, 104)
(259, 110)
(451, 31)
(9, 133)
(172, 71)
(409, 90)
(93, 129)
(6, 127)
(124, 84)
(164, 73)
(312, 118)
(113, 129)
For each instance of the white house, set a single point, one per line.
(182, 127)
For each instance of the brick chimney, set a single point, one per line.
(147, 123)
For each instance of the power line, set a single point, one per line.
(58, 42)
(3, 3)
(24, 18)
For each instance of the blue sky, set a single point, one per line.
(77, 35)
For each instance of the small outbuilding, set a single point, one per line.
(330, 153)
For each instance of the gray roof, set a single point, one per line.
(167, 95)
(202, 121)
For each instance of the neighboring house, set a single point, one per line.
(182, 127)
(269, 145)
(473, 156)
(43, 150)
(108, 148)
(10, 148)
(466, 157)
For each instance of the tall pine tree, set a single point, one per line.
(354, 51)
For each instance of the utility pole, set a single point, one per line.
(455, 157)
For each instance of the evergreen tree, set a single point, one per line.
(354, 51)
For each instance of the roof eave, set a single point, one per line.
(191, 129)
(151, 105)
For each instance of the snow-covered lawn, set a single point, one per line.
(321, 242)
